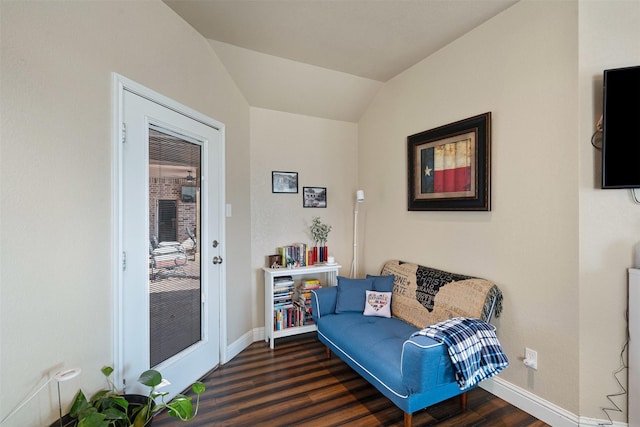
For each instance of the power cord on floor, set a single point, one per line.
(623, 391)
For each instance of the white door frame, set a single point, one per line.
(119, 85)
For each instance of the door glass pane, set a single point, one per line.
(174, 244)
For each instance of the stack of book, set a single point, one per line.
(296, 255)
(303, 298)
(286, 313)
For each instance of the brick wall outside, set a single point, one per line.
(171, 189)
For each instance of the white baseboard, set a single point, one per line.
(530, 403)
(258, 334)
(243, 342)
(587, 422)
(540, 408)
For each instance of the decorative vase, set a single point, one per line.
(321, 253)
(326, 254)
(315, 255)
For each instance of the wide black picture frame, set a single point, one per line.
(284, 182)
(449, 167)
(314, 197)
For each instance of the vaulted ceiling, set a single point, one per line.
(278, 50)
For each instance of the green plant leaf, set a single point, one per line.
(179, 397)
(106, 371)
(79, 402)
(198, 387)
(156, 394)
(181, 407)
(114, 414)
(100, 395)
(93, 420)
(120, 401)
(142, 417)
(109, 408)
(150, 378)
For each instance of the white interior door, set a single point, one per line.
(168, 302)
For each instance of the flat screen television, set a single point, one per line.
(621, 128)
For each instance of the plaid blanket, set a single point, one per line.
(473, 347)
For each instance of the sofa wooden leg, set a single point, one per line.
(408, 419)
(326, 349)
(463, 401)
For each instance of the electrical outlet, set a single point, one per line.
(530, 358)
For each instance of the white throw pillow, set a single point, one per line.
(377, 304)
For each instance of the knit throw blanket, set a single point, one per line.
(473, 347)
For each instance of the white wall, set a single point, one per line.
(557, 246)
(323, 152)
(609, 219)
(522, 67)
(56, 289)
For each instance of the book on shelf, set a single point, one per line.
(282, 305)
(302, 300)
(289, 316)
(309, 284)
(296, 254)
(283, 295)
(292, 298)
(304, 288)
(282, 285)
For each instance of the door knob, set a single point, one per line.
(217, 260)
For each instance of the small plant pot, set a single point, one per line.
(67, 421)
(137, 400)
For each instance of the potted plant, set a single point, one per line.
(112, 408)
(320, 234)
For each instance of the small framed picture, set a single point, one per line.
(314, 197)
(284, 182)
(188, 194)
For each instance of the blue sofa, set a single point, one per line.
(414, 371)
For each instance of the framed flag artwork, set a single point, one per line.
(450, 167)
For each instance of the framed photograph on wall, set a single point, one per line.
(188, 194)
(449, 167)
(314, 197)
(284, 182)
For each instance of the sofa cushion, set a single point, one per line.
(373, 342)
(351, 294)
(382, 283)
(377, 304)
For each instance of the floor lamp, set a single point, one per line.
(58, 377)
(354, 263)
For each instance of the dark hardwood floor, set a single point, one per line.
(296, 385)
